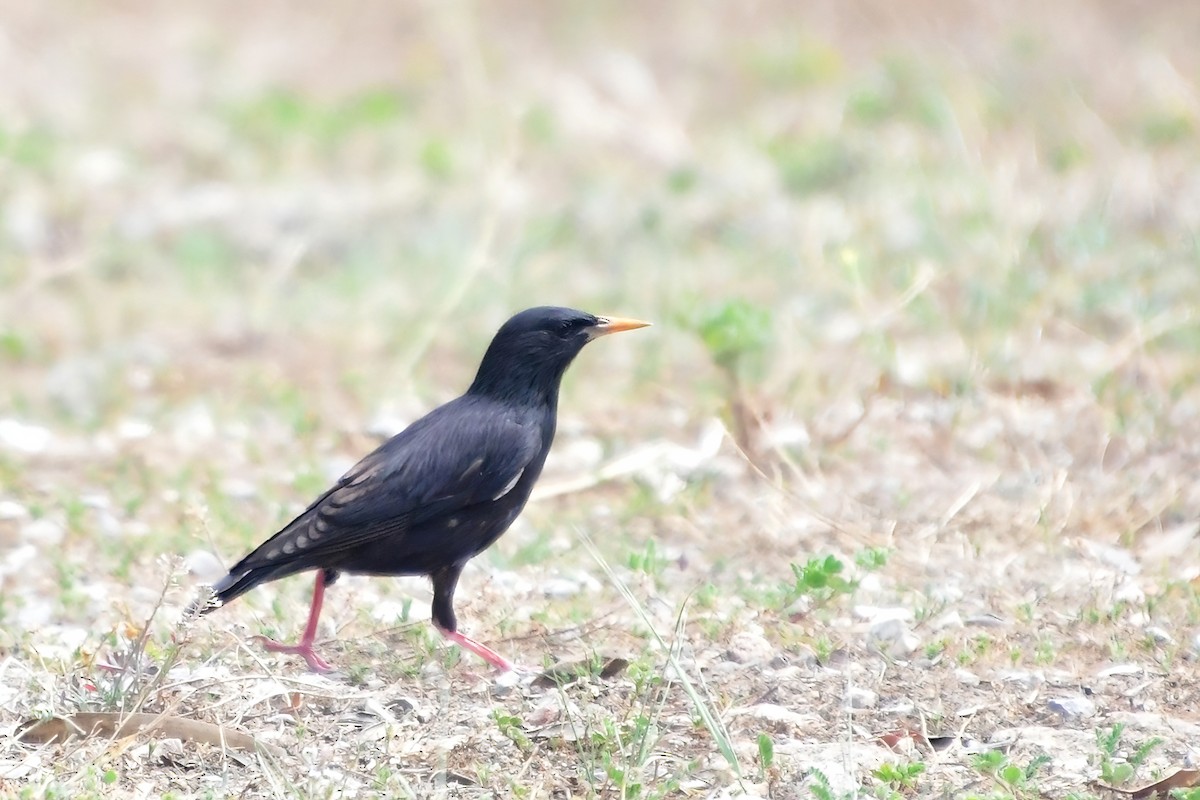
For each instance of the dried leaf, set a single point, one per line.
(1183, 779)
(117, 726)
(898, 740)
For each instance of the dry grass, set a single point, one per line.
(239, 245)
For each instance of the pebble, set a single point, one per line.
(893, 637)
(238, 489)
(1129, 591)
(950, 619)
(966, 677)
(506, 681)
(1072, 708)
(1024, 678)
(385, 425)
(43, 532)
(749, 647)
(901, 708)
(858, 697)
(11, 509)
(23, 437)
(132, 429)
(17, 559)
(772, 712)
(560, 588)
(1118, 558)
(1160, 635)
(205, 566)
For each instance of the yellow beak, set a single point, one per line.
(608, 325)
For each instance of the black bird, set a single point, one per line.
(442, 490)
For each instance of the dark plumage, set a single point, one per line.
(443, 489)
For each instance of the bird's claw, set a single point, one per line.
(303, 649)
(482, 650)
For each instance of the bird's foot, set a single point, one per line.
(483, 651)
(304, 649)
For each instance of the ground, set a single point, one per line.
(898, 497)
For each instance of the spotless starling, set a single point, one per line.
(442, 490)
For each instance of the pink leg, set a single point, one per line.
(483, 651)
(305, 647)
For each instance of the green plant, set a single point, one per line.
(1018, 781)
(1114, 770)
(737, 335)
(871, 559)
(702, 704)
(900, 776)
(766, 755)
(512, 728)
(818, 578)
(819, 785)
(649, 560)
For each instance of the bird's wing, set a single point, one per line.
(457, 456)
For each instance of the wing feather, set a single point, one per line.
(463, 453)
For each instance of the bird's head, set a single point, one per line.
(530, 352)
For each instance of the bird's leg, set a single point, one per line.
(483, 651)
(444, 581)
(304, 648)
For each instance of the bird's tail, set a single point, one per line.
(232, 586)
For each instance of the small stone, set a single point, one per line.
(132, 429)
(22, 437)
(385, 425)
(560, 588)
(1160, 635)
(771, 712)
(1024, 678)
(17, 559)
(858, 697)
(11, 509)
(99, 167)
(1072, 708)
(745, 790)
(205, 566)
(238, 489)
(893, 637)
(1118, 558)
(986, 621)
(901, 708)
(785, 674)
(1129, 591)
(950, 619)
(749, 647)
(43, 532)
(966, 677)
(507, 680)
(1134, 691)
(580, 453)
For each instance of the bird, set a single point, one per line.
(442, 490)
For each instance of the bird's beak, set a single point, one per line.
(607, 325)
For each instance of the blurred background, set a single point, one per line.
(933, 266)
